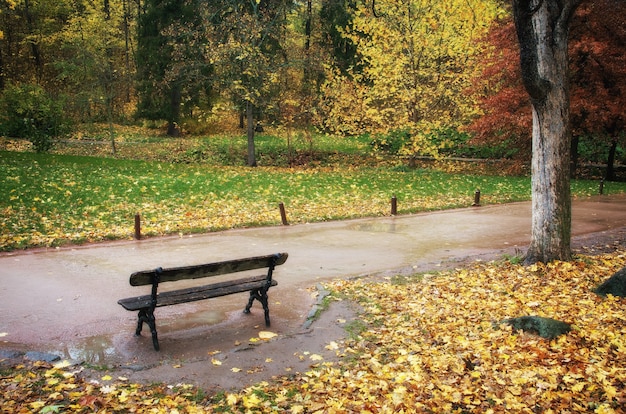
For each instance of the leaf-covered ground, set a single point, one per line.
(425, 343)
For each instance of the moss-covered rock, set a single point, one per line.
(615, 285)
(544, 327)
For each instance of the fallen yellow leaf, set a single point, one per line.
(332, 345)
(267, 335)
(231, 399)
(62, 364)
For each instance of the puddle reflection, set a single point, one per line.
(94, 350)
(192, 320)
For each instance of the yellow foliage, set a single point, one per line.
(418, 57)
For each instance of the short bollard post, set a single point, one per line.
(137, 226)
(394, 206)
(283, 214)
(476, 198)
(601, 186)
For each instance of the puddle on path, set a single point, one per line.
(378, 227)
(96, 350)
(122, 346)
(189, 321)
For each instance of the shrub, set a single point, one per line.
(29, 112)
(459, 144)
(392, 142)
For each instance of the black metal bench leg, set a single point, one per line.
(147, 316)
(266, 308)
(253, 296)
(140, 320)
(261, 296)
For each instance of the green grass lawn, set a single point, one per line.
(50, 200)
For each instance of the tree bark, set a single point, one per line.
(173, 128)
(127, 51)
(250, 122)
(307, 45)
(542, 29)
(550, 184)
(574, 156)
(34, 42)
(2, 71)
(610, 162)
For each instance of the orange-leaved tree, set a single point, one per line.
(597, 67)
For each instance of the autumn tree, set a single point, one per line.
(417, 58)
(506, 116)
(75, 49)
(27, 48)
(171, 64)
(248, 44)
(90, 67)
(9, 5)
(336, 17)
(542, 28)
(597, 69)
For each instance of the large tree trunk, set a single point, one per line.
(551, 198)
(542, 30)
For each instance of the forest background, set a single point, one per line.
(417, 78)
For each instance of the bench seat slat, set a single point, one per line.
(196, 293)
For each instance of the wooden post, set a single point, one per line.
(602, 186)
(137, 227)
(283, 214)
(476, 198)
(394, 205)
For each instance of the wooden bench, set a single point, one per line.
(256, 285)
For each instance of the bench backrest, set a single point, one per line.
(146, 277)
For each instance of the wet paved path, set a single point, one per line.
(64, 300)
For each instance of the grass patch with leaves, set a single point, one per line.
(277, 149)
(51, 200)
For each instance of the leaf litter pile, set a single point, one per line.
(425, 343)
